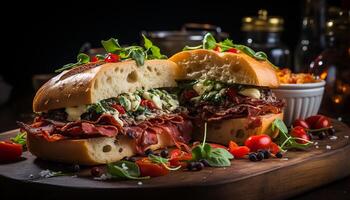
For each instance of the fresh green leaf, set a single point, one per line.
(111, 45)
(216, 157)
(20, 138)
(280, 125)
(139, 56)
(226, 44)
(100, 56)
(83, 58)
(147, 43)
(260, 55)
(162, 161)
(124, 170)
(209, 41)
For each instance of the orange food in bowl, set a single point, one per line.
(287, 77)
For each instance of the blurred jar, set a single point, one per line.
(311, 40)
(333, 65)
(263, 33)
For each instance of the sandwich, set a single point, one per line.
(229, 87)
(102, 109)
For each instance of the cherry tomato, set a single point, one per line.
(177, 157)
(217, 48)
(112, 58)
(94, 59)
(189, 94)
(10, 151)
(233, 50)
(148, 168)
(274, 148)
(148, 104)
(257, 142)
(300, 132)
(231, 93)
(312, 120)
(119, 108)
(300, 122)
(322, 122)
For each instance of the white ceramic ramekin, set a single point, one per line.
(303, 100)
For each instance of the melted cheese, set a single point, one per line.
(250, 92)
(75, 112)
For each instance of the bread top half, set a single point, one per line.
(232, 68)
(93, 82)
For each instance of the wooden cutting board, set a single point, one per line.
(296, 173)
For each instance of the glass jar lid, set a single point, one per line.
(262, 22)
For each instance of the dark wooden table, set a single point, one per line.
(11, 112)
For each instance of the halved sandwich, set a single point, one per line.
(229, 89)
(101, 112)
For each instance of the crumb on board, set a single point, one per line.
(328, 147)
(317, 147)
(333, 137)
(346, 136)
(139, 183)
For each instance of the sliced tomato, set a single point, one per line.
(178, 157)
(232, 145)
(148, 168)
(10, 151)
(119, 108)
(94, 59)
(217, 48)
(239, 152)
(233, 50)
(148, 103)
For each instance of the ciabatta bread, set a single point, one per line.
(227, 67)
(93, 82)
(92, 151)
(223, 131)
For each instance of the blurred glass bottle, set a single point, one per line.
(333, 65)
(312, 39)
(263, 33)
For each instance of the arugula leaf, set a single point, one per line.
(209, 41)
(82, 58)
(260, 55)
(111, 45)
(216, 157)
(20, 138)
(125, 170)
(192, 48)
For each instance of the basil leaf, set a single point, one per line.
(198, 153)
(280, 125)
(218, 161)
(111, 45)
(220, 152)
(100, 56)
(139, 56)
(209, 41)
(124, 170)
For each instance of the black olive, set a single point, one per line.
(96, 172)
(279, 155)
(266, 153)
(205, 162)
(260, 156)
(149, 152)
(322, 135)
(164, 153)
(190, 166)
(253, 157)
(331, 131)
(195, 166)
(199, 166)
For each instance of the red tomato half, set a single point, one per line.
(111, 57)
(148, 168)
(177, 157)
(257, 142)
(119, 108)
(10, 151)
(300, 132)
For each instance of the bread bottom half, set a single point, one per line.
(222, 132)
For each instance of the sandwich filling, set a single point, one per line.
(140, 115)
(210, 100)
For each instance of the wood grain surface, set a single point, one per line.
(296, 173)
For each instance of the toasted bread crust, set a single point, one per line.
(237, 68)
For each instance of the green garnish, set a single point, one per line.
(137, 53)
(125, 170)
(286, 141)
(20, 138)
(162, 161)
(210, 43)
(82, 58)
(216, 157)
